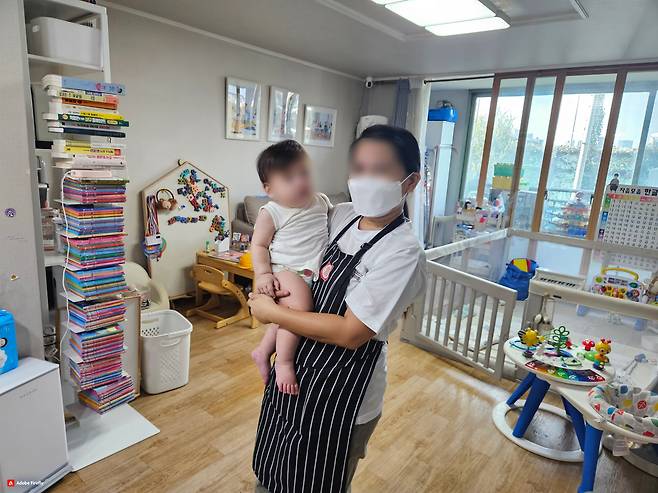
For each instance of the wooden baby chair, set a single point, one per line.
(214, 281)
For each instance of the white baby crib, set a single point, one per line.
(463, 316)
(466, 316)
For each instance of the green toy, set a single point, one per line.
(559, 339)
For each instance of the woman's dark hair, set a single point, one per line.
(278, 157)
(401, 140)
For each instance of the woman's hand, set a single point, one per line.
(262, 307)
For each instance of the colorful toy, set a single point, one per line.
(517, 276)
(165, 200)
(559, 339)
(651, 292)
(627, 406)
(579, 377)
(219, 226)
(531, 338)
(588, 344)
(618, 287)
(602, 349)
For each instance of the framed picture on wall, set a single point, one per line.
(284, 110)
(319, 126)
(242, 109)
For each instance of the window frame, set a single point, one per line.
(620, 72)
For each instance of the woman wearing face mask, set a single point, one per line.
(372, 271)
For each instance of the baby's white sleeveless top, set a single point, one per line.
(301, 234)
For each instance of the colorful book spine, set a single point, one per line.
(83, 97)
(59, 81)
(91, 117)
(73, 109)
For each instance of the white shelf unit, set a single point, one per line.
(72, 11)
(68, 10)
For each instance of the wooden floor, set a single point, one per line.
(436, 433)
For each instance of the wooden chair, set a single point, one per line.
(214, 281)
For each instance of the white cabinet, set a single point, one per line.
(33, 449)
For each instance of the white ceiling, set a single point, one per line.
(361, 38)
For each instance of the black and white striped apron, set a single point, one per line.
(302, 440)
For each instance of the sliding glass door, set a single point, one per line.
(635, 152)
(554, 139)
(533, 152)
(577, 149)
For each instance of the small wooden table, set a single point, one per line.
(231, 268)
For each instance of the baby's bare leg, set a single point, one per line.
(264, 351)
(286, 342)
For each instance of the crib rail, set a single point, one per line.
(463, 317)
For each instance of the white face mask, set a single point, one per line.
(375, 197)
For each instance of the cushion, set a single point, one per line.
(627, 407)
(253, 203)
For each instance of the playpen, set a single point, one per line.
(466, 316)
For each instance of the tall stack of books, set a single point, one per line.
(83, 107)
(85, 113)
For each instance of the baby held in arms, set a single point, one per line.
(290, 237)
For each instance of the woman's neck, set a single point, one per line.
(376, 223)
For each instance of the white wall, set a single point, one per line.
(380, 100)
(175, 81)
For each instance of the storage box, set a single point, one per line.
(55, 38)
(8, 344)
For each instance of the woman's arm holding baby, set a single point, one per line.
(345, 331)
(266, 282)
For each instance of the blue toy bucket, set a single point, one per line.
(517, 279)
(8, 346)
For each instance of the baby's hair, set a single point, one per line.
(278, 157)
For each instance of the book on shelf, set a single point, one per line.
(73, 160)
(78, 110)
(92, 150)
(81, 103)
(61, 144)
(67, 129)
(60, 81)
(78, 95)
(66, 117)
(105, 397)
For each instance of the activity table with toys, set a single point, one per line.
(576, 372)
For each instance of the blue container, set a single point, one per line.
(8, 345)
(446, 113)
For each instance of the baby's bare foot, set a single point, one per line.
(262, 361)
(286, 380)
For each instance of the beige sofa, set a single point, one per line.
(245, 216)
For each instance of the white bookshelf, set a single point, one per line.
(90, 436)
(72, 11)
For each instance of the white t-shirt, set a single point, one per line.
(390, 276)
(301, 234)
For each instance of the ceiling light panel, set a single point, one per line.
(431, 12)
(472, 26)
(384, 2)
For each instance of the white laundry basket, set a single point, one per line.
(165, 351)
